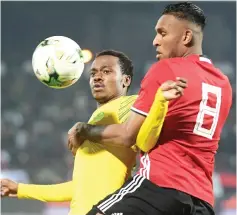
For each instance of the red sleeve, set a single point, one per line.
(156, 75)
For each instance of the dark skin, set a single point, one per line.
(106, 79)
(107, 83)
(111, 134)
(174, 38)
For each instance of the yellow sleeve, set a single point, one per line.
(46, 193)
(124, 111)
(125, 107)
(151, 127)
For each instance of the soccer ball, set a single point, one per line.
(58, 62)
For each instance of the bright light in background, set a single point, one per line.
(87, 55)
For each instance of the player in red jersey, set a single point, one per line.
(175, 177)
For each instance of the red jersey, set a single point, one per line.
(184, 156)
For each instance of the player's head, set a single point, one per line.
(179, 31)
(110, 75)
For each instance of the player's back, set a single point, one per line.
(101, 169)
(203, 109)
(192, 128)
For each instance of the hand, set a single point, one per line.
(74, 139)
(9, 188)
(173, 89)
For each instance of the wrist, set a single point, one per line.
(18, 187)
(160, 96)
(81, 130)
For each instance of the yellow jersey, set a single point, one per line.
(99, 169)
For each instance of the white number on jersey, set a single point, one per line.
(206, 110)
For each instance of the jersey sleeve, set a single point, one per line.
(125, 107)
(124, 110)
(46, 193)
(156, 75)
(150, 130)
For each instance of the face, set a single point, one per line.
(106, 79)
(169, 39)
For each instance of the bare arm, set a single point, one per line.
(122, 134)
(118, 134)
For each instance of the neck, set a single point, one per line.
(192, 51)
(101, 103)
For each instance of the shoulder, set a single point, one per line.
(113, 105)
(125, 98)
(127, 101)
(165, 63)
(162, 64)
(159, 72)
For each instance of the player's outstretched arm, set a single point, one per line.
(151, 127)
(121, 134)
(117, 134)
(150, 130)
(46, 193)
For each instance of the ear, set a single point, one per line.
(126, 80)
(188, 37)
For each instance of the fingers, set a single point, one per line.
(12, 195)
(4, 188)
(73, 129)
(179, 90)
(74, 151)
(8, 188)
(181, 82)
(71, 138)
(74, 139)
(69, 145)
(180, 85)
(4, 182)
(174, 89)
(4, 191)
(72, 146)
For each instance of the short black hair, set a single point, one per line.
(124, 61)
(187, 11)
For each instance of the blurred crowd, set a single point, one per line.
(35, 121)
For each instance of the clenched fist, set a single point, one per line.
(9, 188)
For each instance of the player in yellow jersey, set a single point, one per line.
(110, 77)
(98, 169)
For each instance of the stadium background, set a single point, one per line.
(35, 119)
